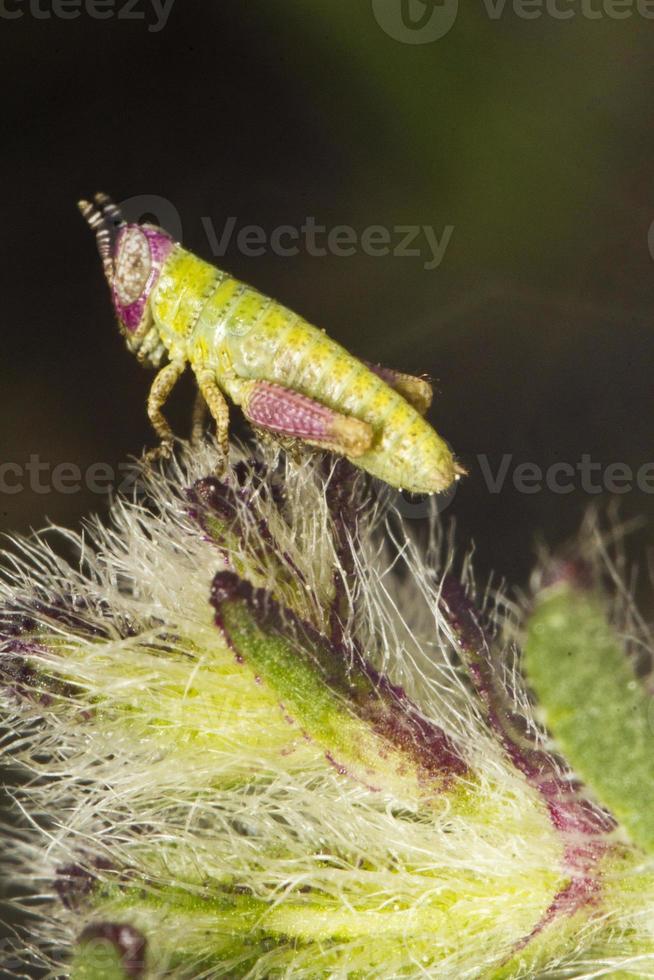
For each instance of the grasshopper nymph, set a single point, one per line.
(288, 377)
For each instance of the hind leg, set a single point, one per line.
(417, 391)
(291, 415)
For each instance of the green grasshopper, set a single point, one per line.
(289, 378)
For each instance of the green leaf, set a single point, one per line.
(594, 705)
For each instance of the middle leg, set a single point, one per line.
(213, 396)
(199, 418)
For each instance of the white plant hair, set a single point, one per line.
(151, 763)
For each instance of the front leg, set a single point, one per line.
(160, 391)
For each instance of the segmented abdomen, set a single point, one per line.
(267, 341)
(241, 334)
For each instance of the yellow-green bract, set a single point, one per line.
(253, 750)
(289, 377)
(595, 706)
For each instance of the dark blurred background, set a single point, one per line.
(531, 137)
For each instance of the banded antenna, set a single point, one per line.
(109, 209)
(104, 219)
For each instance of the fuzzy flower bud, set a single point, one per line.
(265, 734)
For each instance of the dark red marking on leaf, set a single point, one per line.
(21, 679)
(582, 825)
(211, 498)
(579, 892)
(83, 616)
(545, 771)
(74, 882)
(382, 705)
(210, 495)
(15, 622)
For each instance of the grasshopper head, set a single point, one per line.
(132, 256)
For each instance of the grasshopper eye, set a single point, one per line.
(133, 256)
(133, 265)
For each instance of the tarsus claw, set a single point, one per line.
(163, 451)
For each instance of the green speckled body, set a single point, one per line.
(217, 324)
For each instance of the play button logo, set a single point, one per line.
(415, 21)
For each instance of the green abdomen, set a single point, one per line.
(239, 334)
(266, 341)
